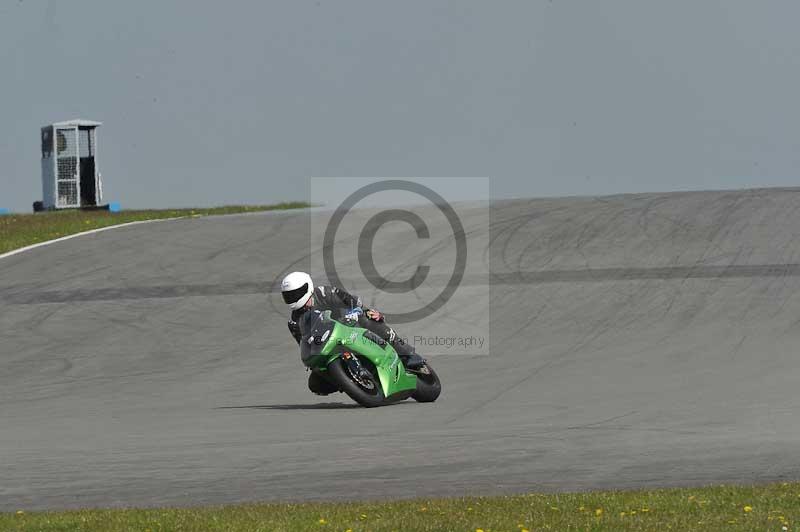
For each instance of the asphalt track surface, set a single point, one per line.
(636, 340)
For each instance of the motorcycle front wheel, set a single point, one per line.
(363, 388)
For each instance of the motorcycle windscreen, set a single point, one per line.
(315, 330)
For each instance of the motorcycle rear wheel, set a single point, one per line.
(367, 393)
(428, 385)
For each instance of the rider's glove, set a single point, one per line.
(374, 315)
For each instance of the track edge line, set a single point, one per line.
(83, 233)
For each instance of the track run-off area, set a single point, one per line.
(645, 340)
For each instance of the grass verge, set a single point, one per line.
(20, 230)
(769, 507)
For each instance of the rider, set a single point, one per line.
(301, 295)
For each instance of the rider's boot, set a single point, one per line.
(412, 361)
(410, 358)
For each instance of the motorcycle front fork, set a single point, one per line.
(353, 365)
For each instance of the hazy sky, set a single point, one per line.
(208, 102)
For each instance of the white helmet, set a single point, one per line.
(296, 289)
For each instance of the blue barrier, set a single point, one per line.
(4, 211)
(114, 207)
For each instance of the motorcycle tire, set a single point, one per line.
(428, 385)
(367, 393)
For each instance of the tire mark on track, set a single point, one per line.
(586, 275)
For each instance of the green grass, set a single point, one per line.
(20, 230)
(770, 507)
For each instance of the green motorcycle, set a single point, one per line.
(362, 364)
